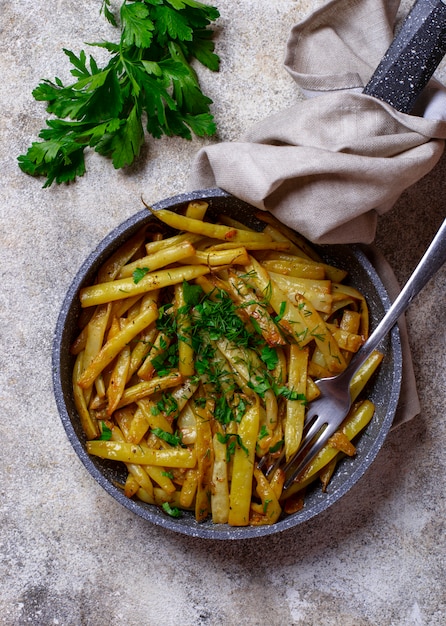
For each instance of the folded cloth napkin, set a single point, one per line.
(329, 165)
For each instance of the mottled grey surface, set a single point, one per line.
(69, 554)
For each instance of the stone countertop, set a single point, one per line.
(71, 555)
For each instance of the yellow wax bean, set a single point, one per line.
(89, 423)
(243, 469)
(184, 324)
(148, 387)
(216, 231)
(358, 419)
(132, 453)
(220, 493)
(112, 347)
(159, 259)
(126, 287)
(205, 459)
(295, 409)
(270, 509)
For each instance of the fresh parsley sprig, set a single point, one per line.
(148, 85)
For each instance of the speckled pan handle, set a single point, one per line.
(413, 56)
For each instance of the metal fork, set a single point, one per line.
(327, 412)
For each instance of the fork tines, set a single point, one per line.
(315, 435)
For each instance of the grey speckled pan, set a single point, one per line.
(384, 389)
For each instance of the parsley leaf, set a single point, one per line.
(192, 293)
(263, 432)
(139, 273)
(149, 86)
(173, 440)
(167, 405)
(106, 433)
(173, 511)
(232, 441)
(269, 357)
(289, 394)
(223, 412)
(105, 9)
(166, 361)
(137, 26)
(240, 409)
(276, 447)
(261, 385)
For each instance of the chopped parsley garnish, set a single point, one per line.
(232, 441)
(173, 511)
(265, 506)
(276, 447)
(281, 312)
(261, 385)
(217, 317)
(192, 294)
(106, 433)
(167, 405)
(173, 440)
(200, 402)
(263, 432)
(289, 394)
(240, 409)
(223, 412)
(166, 361)
(269, 357)
(139, 274)
(205, 355)
(166, 319)
(213, 317)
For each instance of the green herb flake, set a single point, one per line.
(281, 313)
(172, 511)
(263, 432)
(172, 439)
(276, 447)
(223, 412)
(200, 402)
(240, 410)
(269, 356)
(106, 433)
(167, 405)
(139, 273)
(192, 294)
(260, 386)
(265, 505)
(166, 361)
(232, 441)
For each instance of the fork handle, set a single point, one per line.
(431, 262)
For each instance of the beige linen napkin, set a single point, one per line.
(329, 165)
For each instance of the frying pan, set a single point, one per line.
(384, 392)
(399, 79)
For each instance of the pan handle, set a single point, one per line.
(413, 56)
